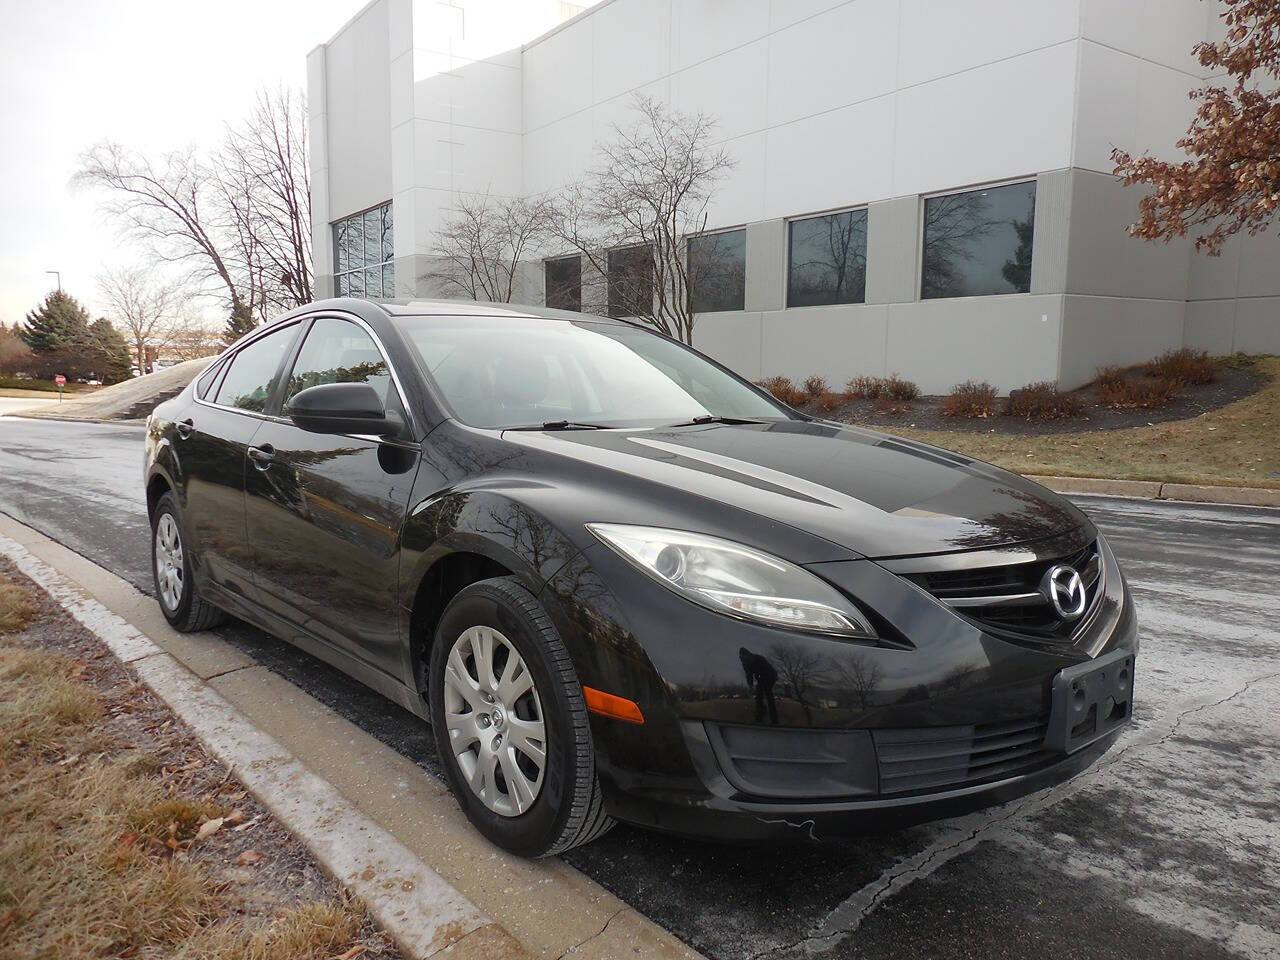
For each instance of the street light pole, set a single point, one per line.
(58, 274)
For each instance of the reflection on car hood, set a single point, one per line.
(881, 496)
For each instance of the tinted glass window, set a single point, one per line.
(979, 243)
(828, 259)
(338, 351)
(718, 271)
(249, 380)
(513, 372)
(206, 381)
(630, 282)
(564, 283)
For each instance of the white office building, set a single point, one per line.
(959, 150)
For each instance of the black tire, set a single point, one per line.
(192, 612)
(569, 810)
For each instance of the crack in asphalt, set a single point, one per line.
(848, 916)
(583, 942)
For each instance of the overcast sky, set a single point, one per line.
(151, 74)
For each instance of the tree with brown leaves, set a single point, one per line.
(1231, 179)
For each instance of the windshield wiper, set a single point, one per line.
(712, 418)
(562, 425)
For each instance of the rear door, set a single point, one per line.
(211, 451)
(325, 511)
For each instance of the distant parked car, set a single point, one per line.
(622, 582)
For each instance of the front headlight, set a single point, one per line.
(737, 580)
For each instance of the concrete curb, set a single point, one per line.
(413, 903)
(1162, 490)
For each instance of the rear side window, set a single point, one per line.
(206, 381)
(339, 351)
(252, 372)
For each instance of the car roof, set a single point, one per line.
(450, 308)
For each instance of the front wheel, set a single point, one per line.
(510, 722)
(180, 602)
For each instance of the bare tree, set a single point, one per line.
(239, 220)
(633, 214)
(266, 187)
(144, 307)
(479, 248)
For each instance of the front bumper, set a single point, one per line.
(852, 709)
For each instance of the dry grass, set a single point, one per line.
(969, 399)
(1236, 444)
(1042, 401)
(87, 868)
(15, 607)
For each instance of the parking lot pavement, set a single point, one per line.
(1167, 847)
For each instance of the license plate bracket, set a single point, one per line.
(1090, 700)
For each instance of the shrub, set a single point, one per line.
(1042, 401)
(1138, 392)
(873, 388)
(784, 390)
(830, 401)
(898, 389)
(970, 399)
(1185, 365)
(864, 387)
(1106, 376)
(815, 386)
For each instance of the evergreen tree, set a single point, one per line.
(110, 351)
(239, 323)
(58, 322)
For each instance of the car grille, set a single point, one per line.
(930, 758)
(1007, 599)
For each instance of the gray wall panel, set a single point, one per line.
(893, 250)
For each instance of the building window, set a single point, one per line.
(363, 253)
(563, 278)
(630, 282)
(718, 271)
(978, 243)
(828, 260)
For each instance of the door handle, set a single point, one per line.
(185, 427)
(262, 456)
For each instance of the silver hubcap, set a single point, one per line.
(169, 562)
(494, 719)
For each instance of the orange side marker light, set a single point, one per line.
(607, 705)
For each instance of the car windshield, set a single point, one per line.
(527, 372)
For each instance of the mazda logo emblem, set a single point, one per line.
(1064, 590)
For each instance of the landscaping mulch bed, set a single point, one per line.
(1236, 379)
(242, 886)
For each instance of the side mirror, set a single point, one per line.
(342, 408)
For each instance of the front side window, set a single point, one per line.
(828, 259)
(338, 351)
(363, 253)
(718, 271)
(252, 372)
(500, 373)
(564, 283)
(979, 243)
(630, 282)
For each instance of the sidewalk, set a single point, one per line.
(1158, 490)
(377, 821)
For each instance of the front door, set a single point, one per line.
(324, 512)
(210, 449)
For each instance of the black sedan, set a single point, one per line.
(621, 582)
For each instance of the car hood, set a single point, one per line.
(877, 495)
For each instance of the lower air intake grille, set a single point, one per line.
(932, 758)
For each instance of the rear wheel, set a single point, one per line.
(176, 592)
(510, 722)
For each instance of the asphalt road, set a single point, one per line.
(1165, 848)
